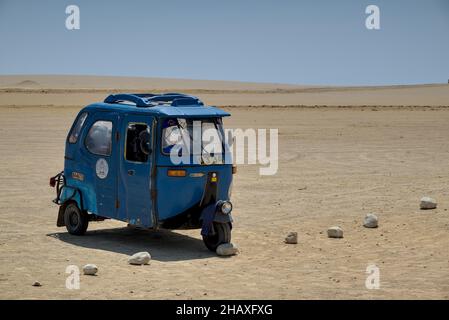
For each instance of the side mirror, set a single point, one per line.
(145, 142)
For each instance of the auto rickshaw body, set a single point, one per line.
(118, 165)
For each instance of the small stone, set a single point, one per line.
(227, 249)
(335, 232)
(90, 269)
(371, 221)
(427, 203)
(37, 284)
(140, 258)
(292, 238)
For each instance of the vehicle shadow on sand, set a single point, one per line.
(163, 245)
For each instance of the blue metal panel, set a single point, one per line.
(99, 194)
(135, 179)
(73, 194)
(177, 194)
(76, 165)
(186, 111)
(74, 188)
(190, 112)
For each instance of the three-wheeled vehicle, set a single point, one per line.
(118, 164)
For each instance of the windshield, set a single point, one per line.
(197, 136)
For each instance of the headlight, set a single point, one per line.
(225, 207)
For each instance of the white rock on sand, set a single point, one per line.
(227, 249)
(292, 238)
(140, 258)
(90, 269)
(427, 203)
(371, 221)
(335, 232)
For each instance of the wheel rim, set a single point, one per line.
(73, 219)
(222, 235)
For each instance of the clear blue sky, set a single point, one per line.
(304, 42)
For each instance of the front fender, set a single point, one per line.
(223, 218)
(209, 215)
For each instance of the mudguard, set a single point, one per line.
(63, 198)
(209, 215)
(60, 221)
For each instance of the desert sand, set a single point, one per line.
(344, 152)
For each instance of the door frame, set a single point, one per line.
(125, 120)
(113, 117)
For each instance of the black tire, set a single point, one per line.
(221, 235)
(75, 220)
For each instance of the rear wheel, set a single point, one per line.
(221, 235)
(75, 220)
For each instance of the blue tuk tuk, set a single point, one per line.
(118, 166)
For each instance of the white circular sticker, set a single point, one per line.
(102, 168)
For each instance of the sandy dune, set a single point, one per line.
(82, 90)
(336, 165)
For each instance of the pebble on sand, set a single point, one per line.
(37, 284)
(427, 203)
(227, 249)
(335, 232)
(90, 269)
(292, 238)
(140, 258)
(371, 221)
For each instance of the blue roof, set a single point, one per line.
(160, 105)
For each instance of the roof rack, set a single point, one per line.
(144, 100)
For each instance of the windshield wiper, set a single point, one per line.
(181, 128)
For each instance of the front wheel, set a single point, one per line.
(75, 220)
(221, 234)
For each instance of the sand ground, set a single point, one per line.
(336, 165)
